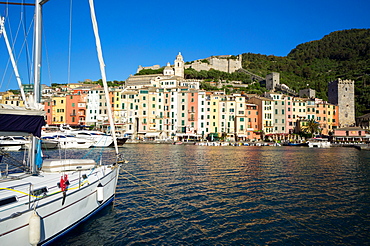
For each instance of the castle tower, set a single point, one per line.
(272, 80)
(342, 93)
(179, 66)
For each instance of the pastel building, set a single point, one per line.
(48, 107)
(58, 110)
(76, 108)
(252, 117)
(279, 109)
(350, 135)
(202, 113)
(327, 117)
(266, 115)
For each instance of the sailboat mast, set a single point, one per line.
(102, 71)
(37, 51)
(37, 74)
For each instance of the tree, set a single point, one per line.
(312, 127)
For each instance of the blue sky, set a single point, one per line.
(146, 33)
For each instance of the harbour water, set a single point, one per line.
(208, 195)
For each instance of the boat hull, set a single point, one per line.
(59, 214)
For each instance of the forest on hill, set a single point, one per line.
(341, 54)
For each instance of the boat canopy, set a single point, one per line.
(17, 121)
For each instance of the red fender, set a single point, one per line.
(64, 182)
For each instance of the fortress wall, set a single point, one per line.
(224, 65)
(198, 66)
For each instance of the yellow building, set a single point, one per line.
(59, 110)
(9, 98)
(129, 111)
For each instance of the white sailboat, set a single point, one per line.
(52, 196)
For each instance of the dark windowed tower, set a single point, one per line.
(342, 93)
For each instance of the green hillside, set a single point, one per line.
(341, 54)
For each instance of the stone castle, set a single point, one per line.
(226, 63)
(173, 75)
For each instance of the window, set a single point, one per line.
(8, 200)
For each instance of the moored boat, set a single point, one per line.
(67, 141)
(47, 198)
(8, 143)
(99, 139)
(319, 143)
(295, 144)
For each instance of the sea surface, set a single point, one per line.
(208, 195)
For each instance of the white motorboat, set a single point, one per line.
(68, 141)
(49, 198)
(318, 143)
(98, 138)
(49, 143)
(9, 143)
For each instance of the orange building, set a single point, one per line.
(252, 130)
(48, 107)
(327, 117)
(76, 108)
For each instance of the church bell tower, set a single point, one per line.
(179, 66)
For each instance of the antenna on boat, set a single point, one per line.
(104, 78)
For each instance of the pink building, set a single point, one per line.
(350, 135)
(192, 111)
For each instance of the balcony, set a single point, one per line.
(191, 119)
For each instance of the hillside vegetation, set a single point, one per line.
(341, 54)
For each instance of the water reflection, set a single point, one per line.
(205, 195)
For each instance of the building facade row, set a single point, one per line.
(192, 113)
